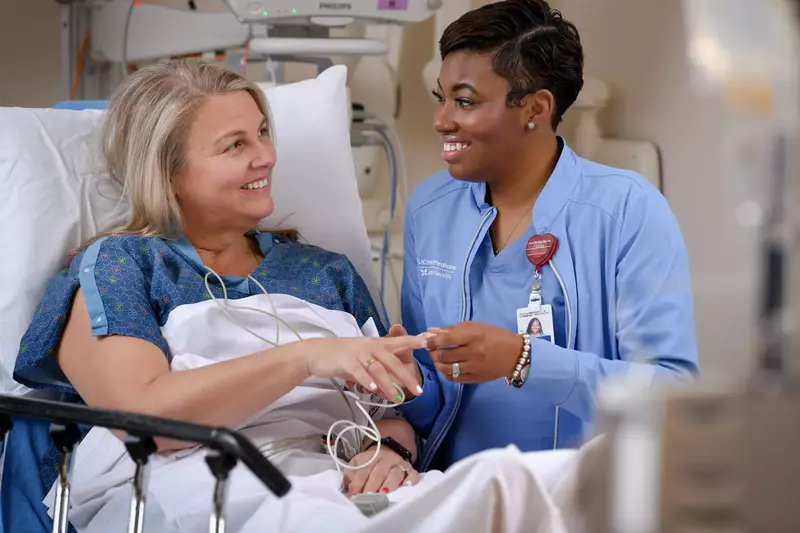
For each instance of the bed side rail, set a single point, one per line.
(226, 447)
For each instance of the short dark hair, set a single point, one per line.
(533, 48)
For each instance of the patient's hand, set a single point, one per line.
(386, 473)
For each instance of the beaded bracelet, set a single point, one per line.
(520, 373)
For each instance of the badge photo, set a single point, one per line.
(538, 323)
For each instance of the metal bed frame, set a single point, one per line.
(226, 449)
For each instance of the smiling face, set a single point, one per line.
(226, 180)
(482, 135)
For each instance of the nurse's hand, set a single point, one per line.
(386, 473)
(483, 352)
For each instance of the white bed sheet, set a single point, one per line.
(500, 490)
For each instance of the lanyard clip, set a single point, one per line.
(535, 299)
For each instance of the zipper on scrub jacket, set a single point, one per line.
(453, 411)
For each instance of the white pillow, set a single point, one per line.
(57, 194)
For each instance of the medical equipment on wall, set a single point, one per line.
(99, 32)
(156, 32)
(339, 13)
(370, 129)
(124, 31)
(723, 457)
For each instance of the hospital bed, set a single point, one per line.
(58, 195)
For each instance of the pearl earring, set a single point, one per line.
(531, 125)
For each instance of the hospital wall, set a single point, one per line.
(638, 46)
(634, 45)
(29, 60)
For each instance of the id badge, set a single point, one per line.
(537, 321)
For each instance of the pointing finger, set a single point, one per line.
(406, 341)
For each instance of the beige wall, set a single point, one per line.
(638, 47)
(415, 125)
(29, 57)
(795, 301)
(635, 45)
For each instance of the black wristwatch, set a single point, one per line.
(393, 445)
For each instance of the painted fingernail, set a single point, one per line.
(373, 386)
(398, 397)
(419, 389)
(385, 490)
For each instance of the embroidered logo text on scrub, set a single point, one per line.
(437, 269)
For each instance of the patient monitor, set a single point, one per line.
(127, 31)
(317, 15)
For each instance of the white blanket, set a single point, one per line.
(500, 490)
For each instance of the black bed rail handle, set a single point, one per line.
(216, 438)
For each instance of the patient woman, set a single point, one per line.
(190, 144)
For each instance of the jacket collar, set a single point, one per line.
(554, 196)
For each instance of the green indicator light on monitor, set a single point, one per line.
(294, 12)
(266, 13)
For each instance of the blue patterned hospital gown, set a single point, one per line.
(131, 284)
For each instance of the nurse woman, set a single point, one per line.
(519, 227)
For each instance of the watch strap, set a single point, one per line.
(393, 445)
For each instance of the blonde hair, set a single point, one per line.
(145, 137)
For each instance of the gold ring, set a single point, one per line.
(369, 362)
